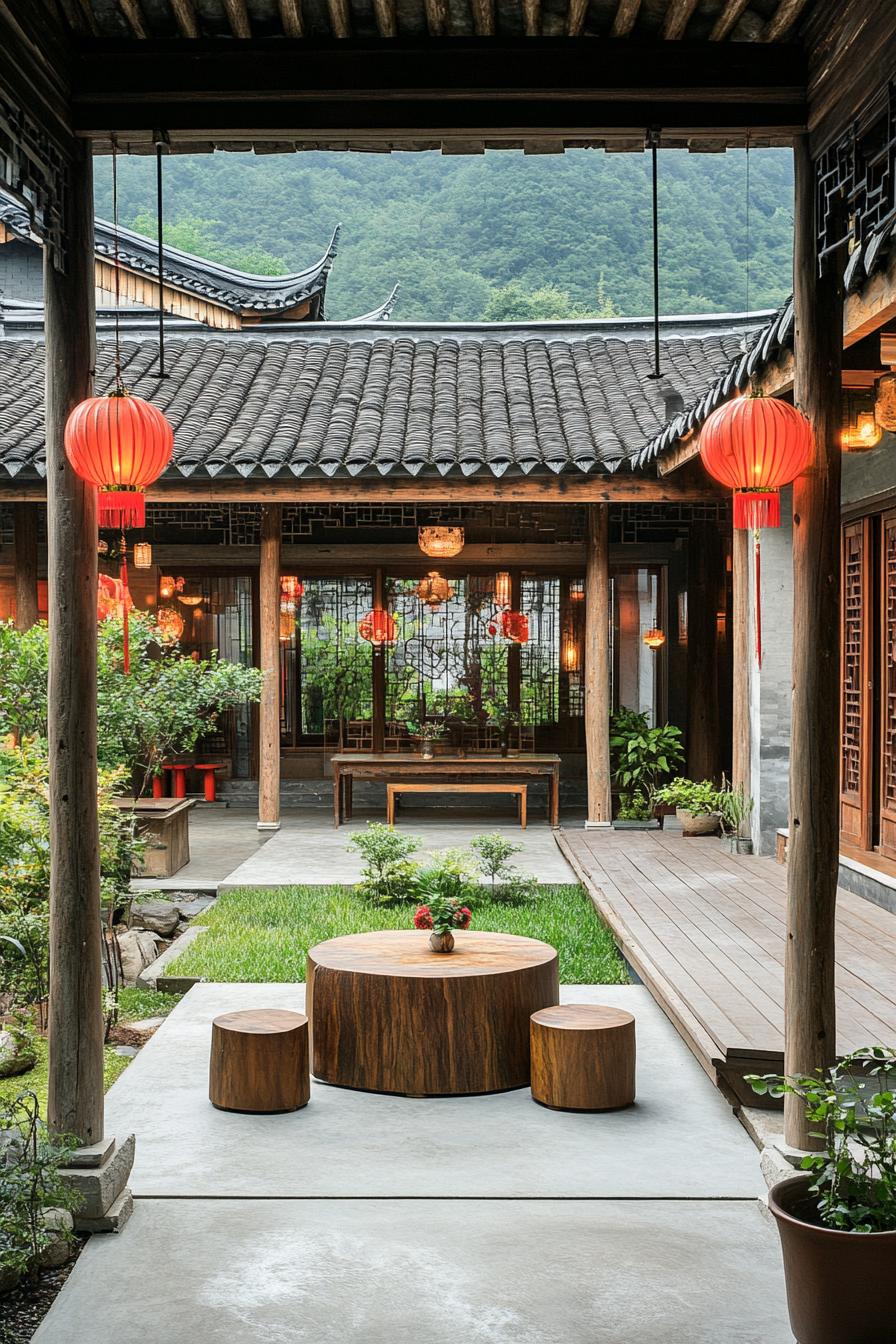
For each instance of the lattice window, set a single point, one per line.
(888, 707)
(853, 691)
(325, 665)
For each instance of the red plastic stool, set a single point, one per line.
(158, 786)
(179, 774)
(208, 780)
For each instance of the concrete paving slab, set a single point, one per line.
(680, 1140)
(310, 849)
(427, 1272)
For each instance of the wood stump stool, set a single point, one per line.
(259, 1061)
(583, 1057)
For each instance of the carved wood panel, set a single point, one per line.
(856, 634)
(888, 687)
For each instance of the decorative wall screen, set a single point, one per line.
(223, 621)
(325, 665)
(888, 681)
(855, 717)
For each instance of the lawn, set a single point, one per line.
(263, 934)
(134, 1004)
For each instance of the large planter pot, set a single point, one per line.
(165, 823)
(839, 1284)
(697, 823)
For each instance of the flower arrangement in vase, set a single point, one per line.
(441, 915)
(428, 733)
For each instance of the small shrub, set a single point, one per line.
(517, 889)
(451, 877)
(492, 852)
(30, 1184)
(634, 807)
(389, 873)
(701, 799)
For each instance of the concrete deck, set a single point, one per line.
(388, 1220)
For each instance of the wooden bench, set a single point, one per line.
(438, 786)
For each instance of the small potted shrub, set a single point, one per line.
(635, 813)
(443, 890)
(735, 810)
(837, 1218)
(696, 805)
(641, 758)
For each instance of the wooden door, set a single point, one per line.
(888, 686)
(856, 690)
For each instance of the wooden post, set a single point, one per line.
(75, 1103)
(378, 673)
(809, 1011)
(741, 663)
(25, 525)
(704, 582)
(269, 649)
(597, 665)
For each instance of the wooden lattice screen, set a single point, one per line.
(855, 700)
(888, 687)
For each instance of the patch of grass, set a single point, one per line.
(264, 934)
(136, 1004)
(35, 1080)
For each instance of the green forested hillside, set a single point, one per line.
(454, 231)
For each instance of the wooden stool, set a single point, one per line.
(583, 1057)
(259, 1061)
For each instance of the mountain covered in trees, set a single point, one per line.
(498, 236)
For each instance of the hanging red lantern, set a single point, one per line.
(112, 598)
(120, 444)
(291, 589)
(756, 445)
(378, 627)
(515, 626)
(169, 623)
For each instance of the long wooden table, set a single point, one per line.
(394, 767)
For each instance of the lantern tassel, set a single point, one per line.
(758, 563)
(757, 508)
(120, 509)
(125, 603)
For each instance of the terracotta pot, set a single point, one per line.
(697, 823)
(839, 1284)
(442, 942)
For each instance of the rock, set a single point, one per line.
(138, 950)
(99, 1187)
(60, 1224)
(145, 1027)
(8, 1279)
(127, 1051)
(158, 916)
(190, 906)
(17, 1053)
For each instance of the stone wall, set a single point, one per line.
(21, 272)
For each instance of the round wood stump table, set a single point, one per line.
(583, 1057)
(388, 1014)
(259, 1061)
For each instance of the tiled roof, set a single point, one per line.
(354, 400)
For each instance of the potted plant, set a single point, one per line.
(443, 891)
(837, 1218)
(641, 758)
(735, 810)
(504, 719)
(427, 733)
(635, 813)
(696, 805)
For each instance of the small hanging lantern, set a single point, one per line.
(503, 596)
(287, 625)
(169, 623)
(378, 627)
(291, 590)
(434, 590)
(440, 542)
(515, 627)
(861, 434)
(654, 638)
(142, 555)
(570, 654)
(189, 597)
(120, 444)
(168, 586)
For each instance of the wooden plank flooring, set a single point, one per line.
(705, 930)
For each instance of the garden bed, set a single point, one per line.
(264, 934)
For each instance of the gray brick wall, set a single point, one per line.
(21, 268)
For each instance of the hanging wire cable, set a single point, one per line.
(653, 141)
(161, 253)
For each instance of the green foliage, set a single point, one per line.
(23, 680)
(30, 1183)
(853, 1107)
(452, 230)
(513, 303)
(493, 852)
(257, 935)
(702, 799)
(389, 874)
(336, 673)
(634, 807)
(641, 757)
(734, 809)
(136, 1003)
(198, 236)
(450, 880)
(36, 1081)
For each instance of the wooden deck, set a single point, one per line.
(705, 929)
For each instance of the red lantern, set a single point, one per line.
(120, 444)
(515, 626)
(378, 627)
(112, 599)
(291, 589)
(756, 445)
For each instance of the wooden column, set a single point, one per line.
(269, 647)
(704, 582)
(75, 1104)
(810, 1022)
(378, 672)
(597, 665)
(25, 527)
(741, 662)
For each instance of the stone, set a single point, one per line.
(8, 1279)
(191, 906)
(160, 917)
(60, 1224)
(99, 1187)
(127, 1051)
(17, 1053)
(115, 1217)
(94, 1154)
(138, 950)
(145, 1027)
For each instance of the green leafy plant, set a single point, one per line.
(451, 874)
(30, 1185)
(853, 1107)
(634, 807)
(427, 731)
(734, 809)
(500, 714)
(389, 874)
(442, 914)
(492, 854)
(701, 799)
(642, 757)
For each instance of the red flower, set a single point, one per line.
(423, 918)
(462, 917)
